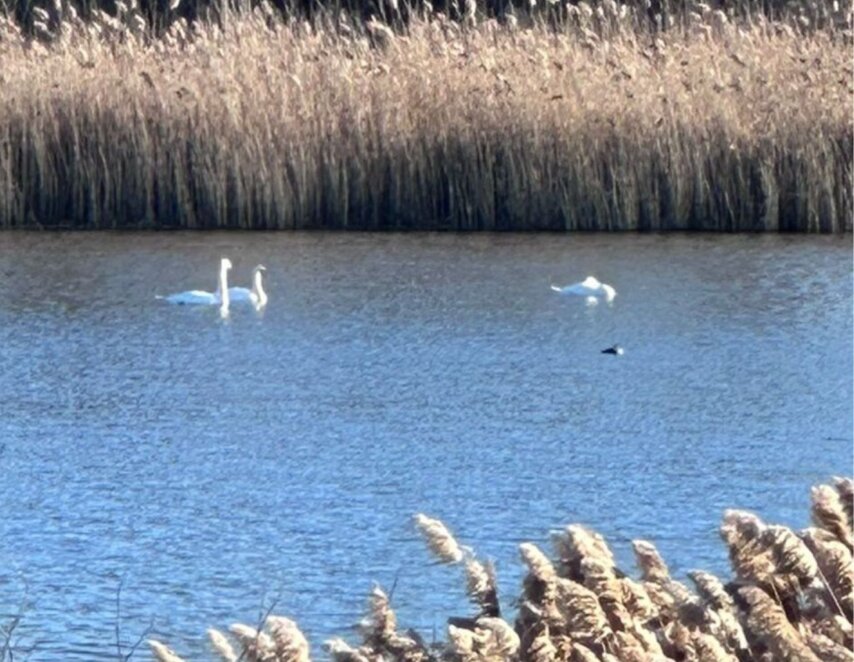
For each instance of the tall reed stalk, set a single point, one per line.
(592, 122)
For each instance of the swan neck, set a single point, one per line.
(258, 288)
(222, 287)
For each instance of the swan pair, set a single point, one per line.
(225, 295)
(590, 288)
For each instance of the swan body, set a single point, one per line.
(256, 296)
(201, 298)
(590, 287)
(193, 297)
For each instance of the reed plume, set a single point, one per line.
(482, 587)
(462, 643)
(636, 600)
(727, 629)
(845, 488)
(485, 639)
(751, 557)
(671, 598)
(539, 594)
(481, 583)
(791, 555)
(626, 648)
(829, 512)
(834, 559)
(580, 653)
(607, 593)
(712, 591)
(439, 540)
(539, 646)
(381, 622)
(577, 543)
(500, 640)
(284, 642)
(652, 566)
(290, 643)
(834, 627)
(162, 653)
(381, 637)
(581, 615)
(222, 646)
(257, 645)
(828, 650)
(340, 651)
(768, 628)
(709, 649)
(538, 564)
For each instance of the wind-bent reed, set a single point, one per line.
(791, 599)
(591, 123)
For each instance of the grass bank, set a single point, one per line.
(590, 121)
(790, 599)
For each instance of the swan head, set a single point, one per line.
(225, 264)
(259, 269)
(591, 282)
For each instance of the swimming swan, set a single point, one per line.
(200, 297)
(256, 296)
(590, 288)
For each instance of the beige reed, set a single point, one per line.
(590, 121)
(791, 599)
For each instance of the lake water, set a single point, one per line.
(216, 466)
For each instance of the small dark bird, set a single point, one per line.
(616, 350)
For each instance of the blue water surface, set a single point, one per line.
(217, 467)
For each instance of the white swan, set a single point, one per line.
(590, 288)
(256, 296)
(201, 298)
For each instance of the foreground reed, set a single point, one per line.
(591, 122)
(791, 598)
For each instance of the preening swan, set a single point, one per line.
(590, 288)
(256, 296)
(200, 297)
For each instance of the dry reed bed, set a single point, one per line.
(791, 599)
(594, 124)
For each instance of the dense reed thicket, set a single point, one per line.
(660, 14)
(588, 121)
(790, 600)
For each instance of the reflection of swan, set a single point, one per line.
(590, 288)
(202, 298)
(256, 296)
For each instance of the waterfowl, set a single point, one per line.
(219, 297)
(590, 287)
(256, 296)
(616, 350)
